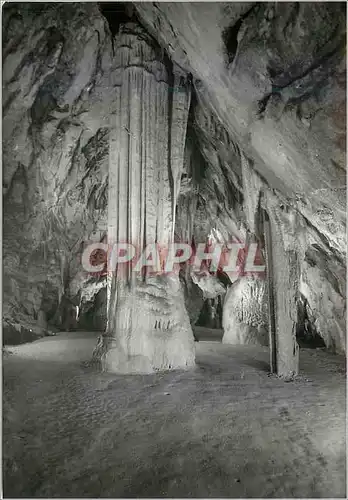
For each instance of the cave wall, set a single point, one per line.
(323, 283)
(56, 60)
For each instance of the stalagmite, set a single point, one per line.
(272, 334)
(285, 271)
(244, 312)
(148, 327)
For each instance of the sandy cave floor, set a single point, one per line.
(226, 429)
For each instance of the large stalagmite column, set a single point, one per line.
(148, 327)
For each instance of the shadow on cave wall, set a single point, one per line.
(94, 317)
(117, 13)
(211, 314)
(306, 333)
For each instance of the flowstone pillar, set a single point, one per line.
(148, 327)
(283, 255)
(283, 272)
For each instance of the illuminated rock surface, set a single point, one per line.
(227, 107)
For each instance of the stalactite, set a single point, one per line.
(181, 99)
(188, 199)
(252, 185)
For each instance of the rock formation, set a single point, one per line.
(245, 319)
(174, 122)
(148, 326)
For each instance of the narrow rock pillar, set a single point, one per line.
(284, 271)
(270, 294)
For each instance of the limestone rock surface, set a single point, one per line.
(247, 105)
(245, 313)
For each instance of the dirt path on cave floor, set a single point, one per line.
(225, 430)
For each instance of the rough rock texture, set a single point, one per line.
(251, 107)
(55, 123)
(245, 313)
(326, 304)
(209, 284)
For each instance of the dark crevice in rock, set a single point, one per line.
(317, 77)
(307, 335)
(116, 13)
(305, 85)
(230, 40)
(45, 103)
(294, 73)
(19, 176)
(325, 241)
(302, 83)
(315, 256)
(193, 133)
(230, 35)
(95, 151)
(8, 18)
(44, 50)
(262, 105)
(211, 314)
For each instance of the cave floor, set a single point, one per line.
(226, 429)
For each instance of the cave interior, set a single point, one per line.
(201, 125)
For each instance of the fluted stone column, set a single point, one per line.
(148, 326)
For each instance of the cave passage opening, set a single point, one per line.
(211, 314)
(307, 334)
